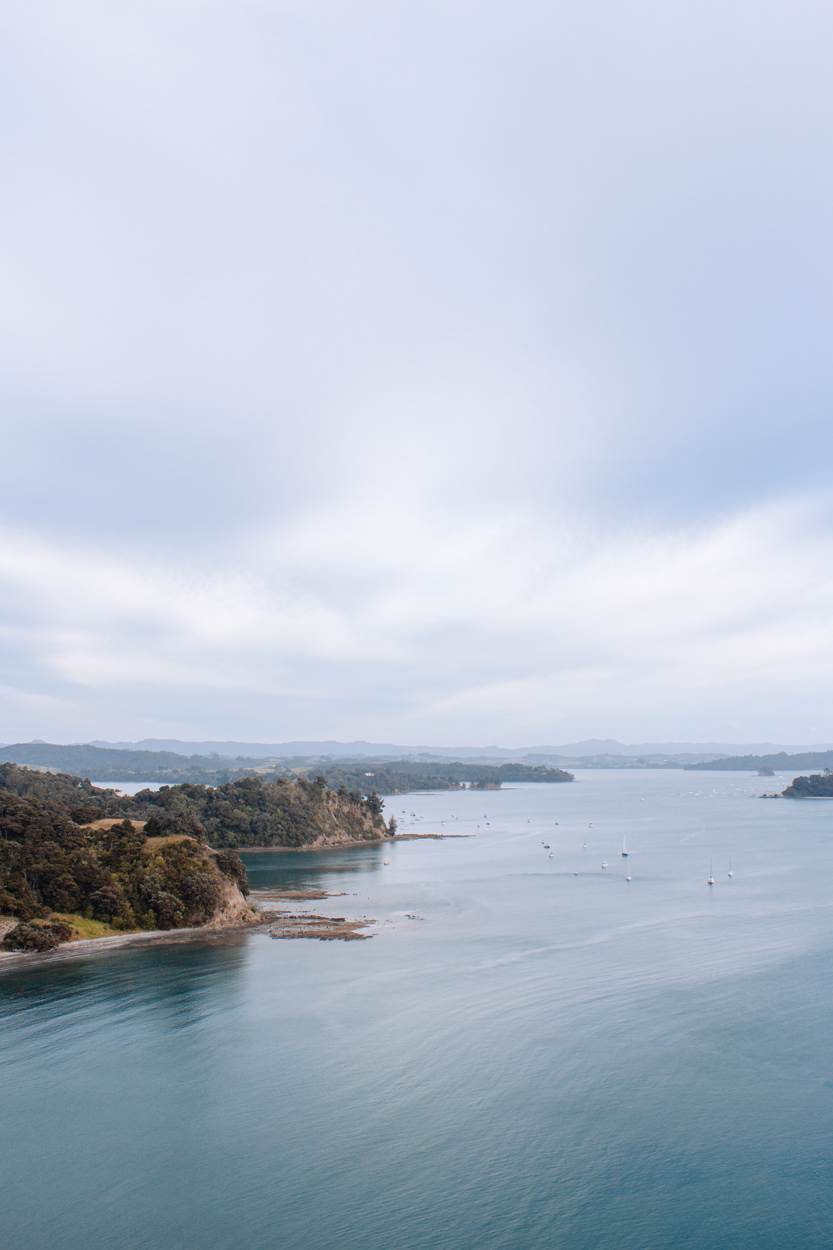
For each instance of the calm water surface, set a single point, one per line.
(541, 1060)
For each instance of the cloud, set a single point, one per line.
(439, 372)
(507, 624)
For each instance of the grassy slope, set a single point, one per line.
(83, 928)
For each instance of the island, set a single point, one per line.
(764, 765)
(407, 776)
(816, 786)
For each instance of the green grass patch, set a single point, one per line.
(83, 928)
(154, 843)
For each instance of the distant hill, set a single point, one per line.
(590, 749)
(782, 761)
(109, 764)
(362, 774)
(263, 750)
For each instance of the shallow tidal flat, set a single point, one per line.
(309, 924)
(322, 928)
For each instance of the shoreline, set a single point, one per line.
(286, 924)
(146, 937)
(344, 846)
(277, 923)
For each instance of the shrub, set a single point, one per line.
(30, 936)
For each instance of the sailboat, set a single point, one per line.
(710, 878)
(624, 849)
(731, 874)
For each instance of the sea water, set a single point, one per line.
(531, 1052)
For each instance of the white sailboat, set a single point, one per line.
(710, 878)
(730, 874)
(624, 849)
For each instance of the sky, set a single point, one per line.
(455, 372)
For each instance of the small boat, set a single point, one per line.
(627, 877)
(710, 877)
(730, 873)
(387, 861)
(624, 850)
(546, 846)
(604, 865)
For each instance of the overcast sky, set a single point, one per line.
(449, 372)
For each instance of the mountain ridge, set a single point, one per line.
(335, 747)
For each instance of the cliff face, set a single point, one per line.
(336, 820)
(232, 909)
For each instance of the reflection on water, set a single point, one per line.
(275, 870)
(551, 1057)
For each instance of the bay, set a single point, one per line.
(536, 1059)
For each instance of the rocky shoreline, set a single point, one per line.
(237, 915)
(278, 923)
(311, 924)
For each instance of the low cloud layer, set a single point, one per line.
(443, 375)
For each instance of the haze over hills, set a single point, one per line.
(574, 750)
(171, 761)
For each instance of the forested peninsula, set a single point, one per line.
(61, 880)
(78, 861)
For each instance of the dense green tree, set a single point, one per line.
(116, 873)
